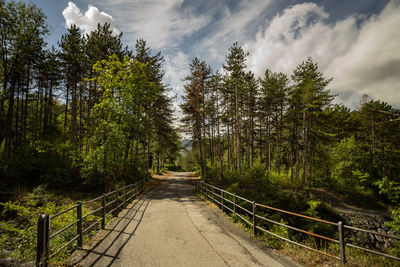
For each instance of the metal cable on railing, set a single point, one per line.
(204, 188)
(44, 222)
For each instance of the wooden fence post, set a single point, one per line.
(79, 223)
(342, 244)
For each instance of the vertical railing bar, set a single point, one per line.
(254, 219)
(222, 200)
(103, 215)
(42, 247)
(79, 223)
(234, 204)
(342, 244)
(124, 190)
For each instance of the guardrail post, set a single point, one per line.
(342, 244)
(254, 219)
(79, 223)
(124, 196)
(103, 217)
(197, 185)
(212, 190)
(42, 243)
(234, 204)
(222, 200)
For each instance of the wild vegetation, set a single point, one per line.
(86, 116)
(91, 115)
(89, 108)
(280, 137)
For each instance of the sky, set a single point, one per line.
(355, 42)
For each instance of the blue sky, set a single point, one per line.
(355, 42)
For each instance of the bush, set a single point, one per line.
(18, 227)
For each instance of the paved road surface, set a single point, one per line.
(170, 226)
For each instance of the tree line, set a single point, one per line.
(288, 126)
(89, 111)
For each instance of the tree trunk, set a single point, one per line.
(305, 145)
(66, 114)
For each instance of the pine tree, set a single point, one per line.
(72, 61)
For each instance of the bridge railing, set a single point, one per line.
(45, 233)
(228, 201)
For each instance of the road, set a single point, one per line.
(170, 226)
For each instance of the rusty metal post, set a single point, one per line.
(254, 219)
(79, 223)
(342, 244)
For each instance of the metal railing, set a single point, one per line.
(217, 195)
(44, 235)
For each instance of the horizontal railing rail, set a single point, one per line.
(209, 191)
(44, 222)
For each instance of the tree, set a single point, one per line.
(193, 106)
(310, 84)
(123, 87)
(235, 67)
(273, 101)
(72, 59)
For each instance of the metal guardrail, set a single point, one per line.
(44, 222)
(209, 191)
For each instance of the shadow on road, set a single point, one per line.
(105, 251)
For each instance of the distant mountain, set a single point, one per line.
(187, 143)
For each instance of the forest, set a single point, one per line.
(86, 115)
(287, 130)
(91, 115)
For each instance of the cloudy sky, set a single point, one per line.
(355, 42)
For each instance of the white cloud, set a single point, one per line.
(89, 20)
(232, 26)
(176, 68)
(362, 58)
(162, 23)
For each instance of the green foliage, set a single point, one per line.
(395, 223)
(275, 242)
(388, 188)
(18, 225)
(347, 158)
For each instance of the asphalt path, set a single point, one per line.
(171, 226)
